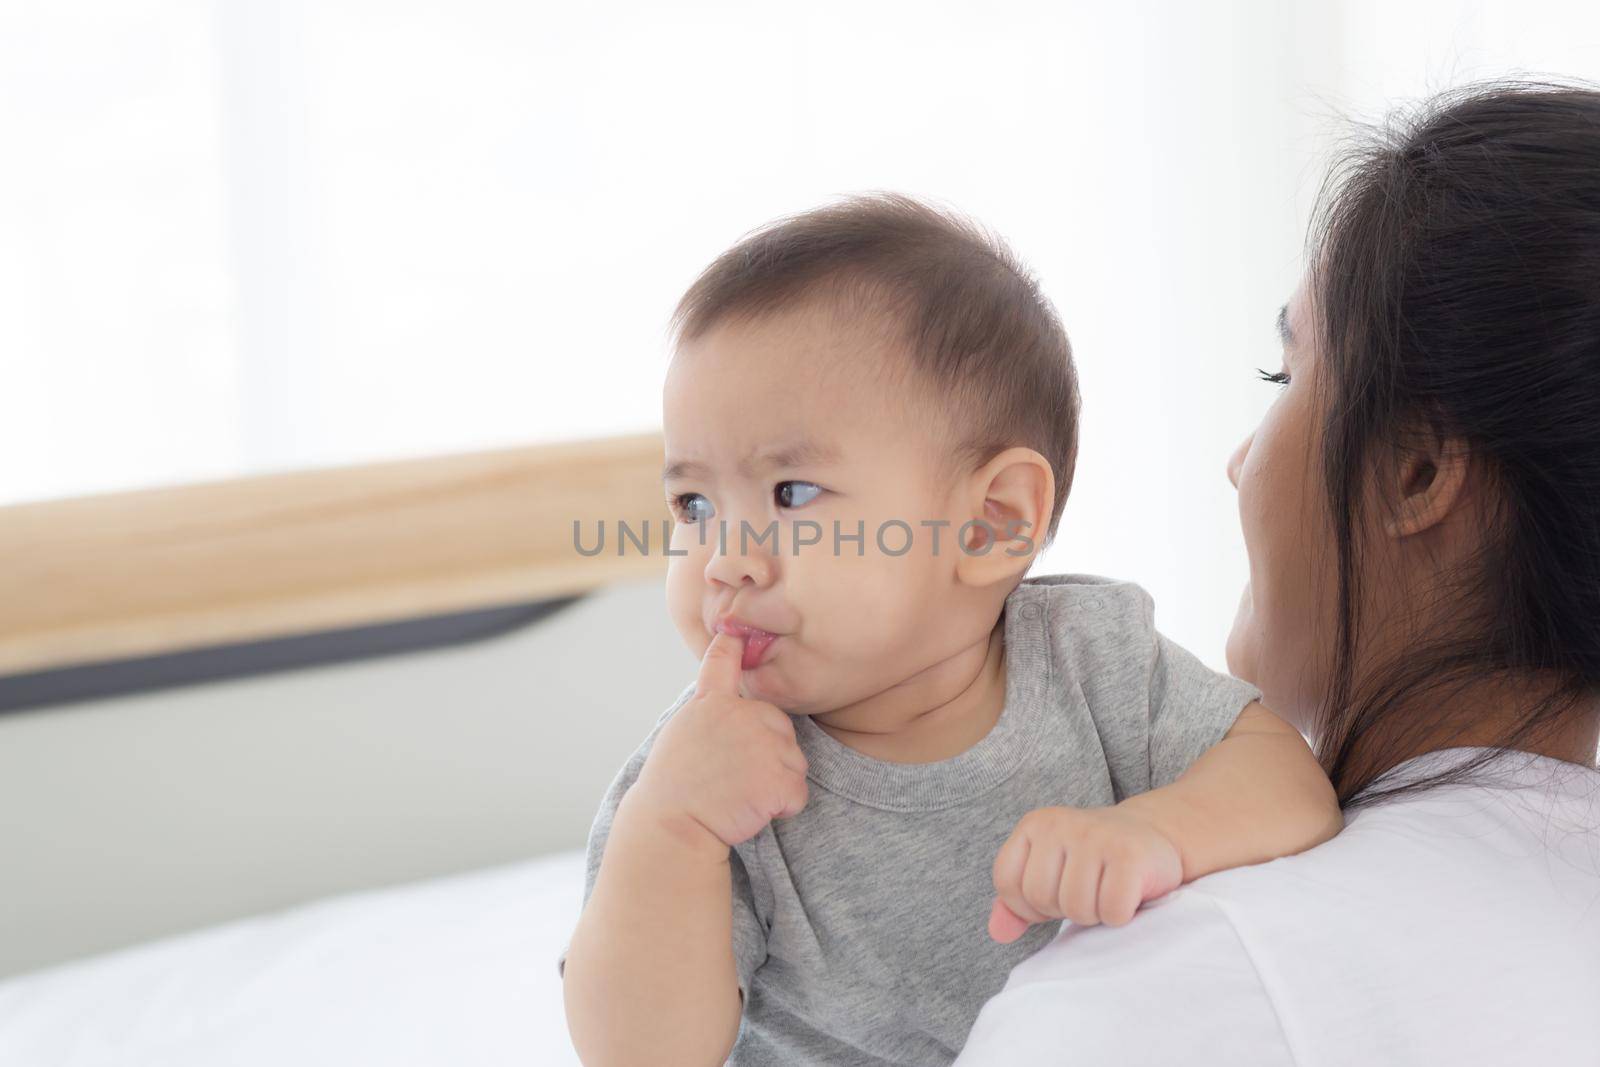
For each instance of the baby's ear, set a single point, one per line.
(1011, 498)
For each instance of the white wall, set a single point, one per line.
(239, 236)
(129, 818)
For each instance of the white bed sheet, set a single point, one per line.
(457, 970)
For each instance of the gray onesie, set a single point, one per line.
(860, 924)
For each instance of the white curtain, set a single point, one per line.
(243, 236)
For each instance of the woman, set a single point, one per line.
(1421, 507)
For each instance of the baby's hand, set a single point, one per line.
(723, 767)
(1087, 865)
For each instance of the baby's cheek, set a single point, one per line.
(835, 597)
(685, 591)
(858, 603)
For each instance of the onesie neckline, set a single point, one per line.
(1004, 750)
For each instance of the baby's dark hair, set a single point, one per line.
(976, 328)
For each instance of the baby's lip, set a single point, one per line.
(735, 627)
(756, 640)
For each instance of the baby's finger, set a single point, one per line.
(775, 719)
(1010, 865)
(1121, 892)
(792, 799)
(1005, 926)
(793, 759)
(1041, 882)
(720, 667)
(1080, 887)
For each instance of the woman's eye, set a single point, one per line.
(1277, 378)
(692, 507)
(795, 494)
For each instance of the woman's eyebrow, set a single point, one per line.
(1285, 334)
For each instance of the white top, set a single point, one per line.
(1458, 926)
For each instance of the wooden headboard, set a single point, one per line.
(170, 570)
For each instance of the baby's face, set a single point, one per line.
(785, 427)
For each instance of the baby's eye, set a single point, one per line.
(1279, 378)
(691, 507)
(795, 494)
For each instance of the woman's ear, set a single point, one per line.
(1010, 500)
(1430, 482)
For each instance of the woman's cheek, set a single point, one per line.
(1256, 523)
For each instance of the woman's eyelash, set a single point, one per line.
(1275, 377)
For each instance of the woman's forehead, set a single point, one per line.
(1297, 323)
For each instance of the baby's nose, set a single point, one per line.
(736, 564)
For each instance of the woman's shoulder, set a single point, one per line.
(1464, 921)
(1173, 986)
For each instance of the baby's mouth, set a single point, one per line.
(756, 641)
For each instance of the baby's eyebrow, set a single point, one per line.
(683, 468)
(800, 454)
(1285, 334)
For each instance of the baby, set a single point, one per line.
(902, 763)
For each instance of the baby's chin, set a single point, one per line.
(767, 684)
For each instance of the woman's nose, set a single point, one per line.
(1236, 461)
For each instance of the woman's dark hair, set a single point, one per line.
(1456, 275)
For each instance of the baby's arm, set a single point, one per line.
(650, 971)
(650, 975)
(1256, 795)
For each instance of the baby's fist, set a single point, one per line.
(723, 767)
(1086, 865)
